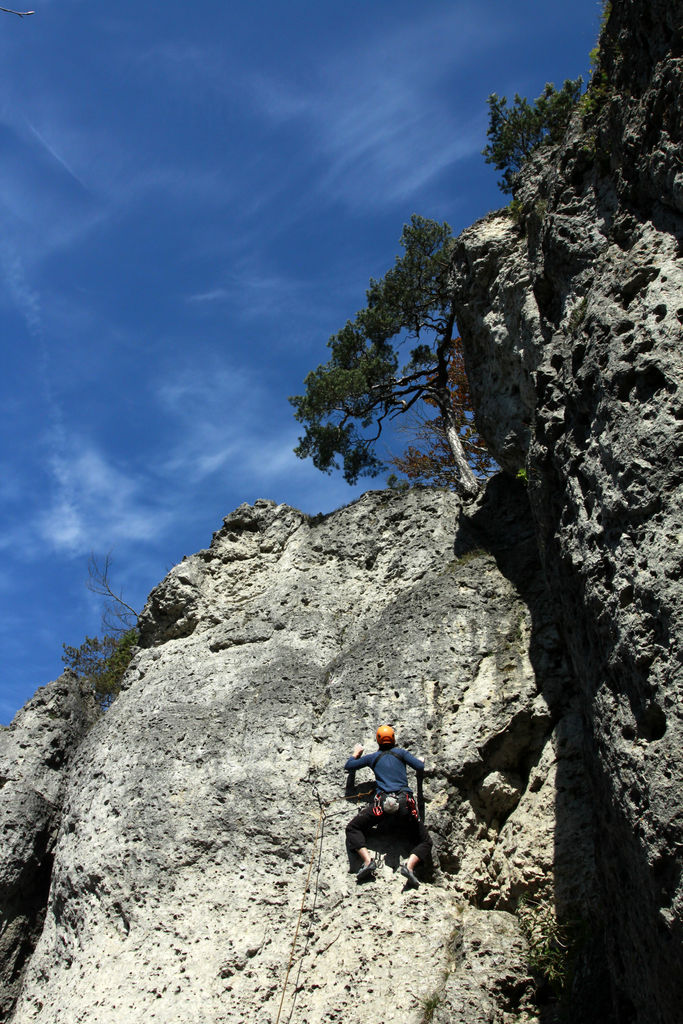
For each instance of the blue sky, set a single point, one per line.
(194, 197)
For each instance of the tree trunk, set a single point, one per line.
(467, 485)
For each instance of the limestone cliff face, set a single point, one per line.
(35, 754)
(191, 817)
(572, 321)
(544, 692)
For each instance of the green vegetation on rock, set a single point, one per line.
(102, 662)
(516, 131)
(554, 946)
(428, 1005)
(599, 85)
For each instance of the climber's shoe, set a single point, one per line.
(367, 871)
(413, 881)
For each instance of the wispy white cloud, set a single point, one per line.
(213, 295)
(185, 66)
(64, 176)
(191, 391)
(211, 414)
(384, 123)
(92, 499)
(45, 208)
(256, 294)
(228, 428)
(272, 459)
(374, 121)
(218, 430)
(56, 156)
(16, 283)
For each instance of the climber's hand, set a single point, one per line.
(357, 750)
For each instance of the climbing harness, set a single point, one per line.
(391, 803)
(383, 753)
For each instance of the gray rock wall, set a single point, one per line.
(546, 703)
(192, 812)
(35, 753)
(572, 323)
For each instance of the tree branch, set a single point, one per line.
(19, 14)
(404, 406)
(98, 583)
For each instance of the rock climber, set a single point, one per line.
(393, 801)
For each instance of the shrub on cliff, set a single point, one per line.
(101, 662)
(516, 131)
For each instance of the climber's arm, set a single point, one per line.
(356, 761)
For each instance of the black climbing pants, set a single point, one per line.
(358, 828)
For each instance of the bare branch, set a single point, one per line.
(19, 14)
(118, 616)
(415, 389)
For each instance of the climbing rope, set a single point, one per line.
(319, 834)
(321, 819)
(311, 912)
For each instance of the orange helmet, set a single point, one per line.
(386, 736)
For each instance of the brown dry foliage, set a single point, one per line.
(429, 460)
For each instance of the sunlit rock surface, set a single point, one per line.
(545, 702)
(192, 813)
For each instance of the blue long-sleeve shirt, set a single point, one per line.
(389, 768)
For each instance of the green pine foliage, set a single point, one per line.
(102, 662)
(348, 399)
(515, 131)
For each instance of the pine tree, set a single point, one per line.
(348, 399)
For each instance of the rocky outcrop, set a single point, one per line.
(571, 317)
(200, 873)
(35, 753)
(214, 785)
